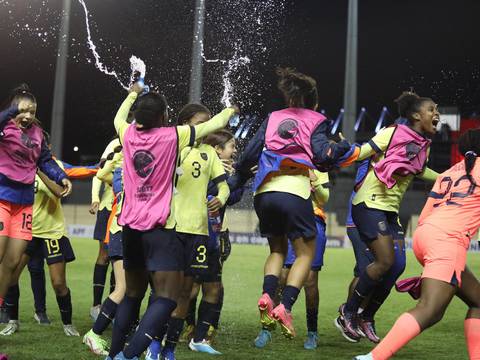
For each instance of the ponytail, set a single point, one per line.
(469, 146)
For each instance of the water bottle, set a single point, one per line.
(146, 88)
(234, 120)
(214, 218)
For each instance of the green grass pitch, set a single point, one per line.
(239, 324)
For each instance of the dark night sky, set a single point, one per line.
(432, 45)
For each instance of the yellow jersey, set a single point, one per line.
(199, 166)
(374, 193)
(106, 199)
(48, 220)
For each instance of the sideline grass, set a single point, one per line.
(243, 277)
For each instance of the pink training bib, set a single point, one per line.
(148, 174)
(19, 152)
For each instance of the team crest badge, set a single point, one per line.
(382, 226)
(204, 156)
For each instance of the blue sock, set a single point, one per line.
(107, 314)
(270, 285)
(206, 317)
(150, 326)
(365, 286)
(37, 282)
(312, 319)
(65, 306)
(99, 278)
(289, 296)
(218, 309)
(175, 327)
(11, 301)
(127, 313)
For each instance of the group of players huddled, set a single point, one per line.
(161, 221)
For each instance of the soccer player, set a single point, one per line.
(363, 257)
(49, 240)
(401, 153)
(320, 194)
(102, 207)
(111, 174)
(22, 151)
(449, 219)
(219, 246)
(199, 165)
(151, 249)
(286, 146)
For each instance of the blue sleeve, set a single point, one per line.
(235, 196)
(8, 114)
(326, 152)
(249, 158)
(48, 166)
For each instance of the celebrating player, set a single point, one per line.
(401, 154)
(449, 219)
(102, 206)
(320, 195)
(151, 248)
(286, 146)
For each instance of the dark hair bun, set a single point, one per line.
(405, 102)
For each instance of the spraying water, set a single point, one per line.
(233, 65)
(136, 64)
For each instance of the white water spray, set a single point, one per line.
(232, 66)
(136, 64)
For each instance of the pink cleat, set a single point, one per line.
(285, 319)
(367, 329)
(3, 357)
(265, 306)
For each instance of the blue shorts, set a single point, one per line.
(284, 214)
(319, 248)
(157, 249)
(363, 255)
(115, 247)
(196, 254)
(53, 250)
(101, 224)
(372, 222)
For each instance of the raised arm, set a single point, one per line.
(120, 121)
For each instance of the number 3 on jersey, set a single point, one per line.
(196, 169)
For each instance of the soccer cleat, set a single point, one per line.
(285, 319)
(203, 347)
(187, 334)
(70, 330)
(4, 317)
(95, 343)
(94, 312)
(120, 356)
(349, 321)
(42, 318)
(364, 357)
(153, 351)
(12, 327)
(340, 325)
(167, 354)
(367, 329)
(265, 306)
(311, 342)
(3, 357)
(211, 333)
(262, 339)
